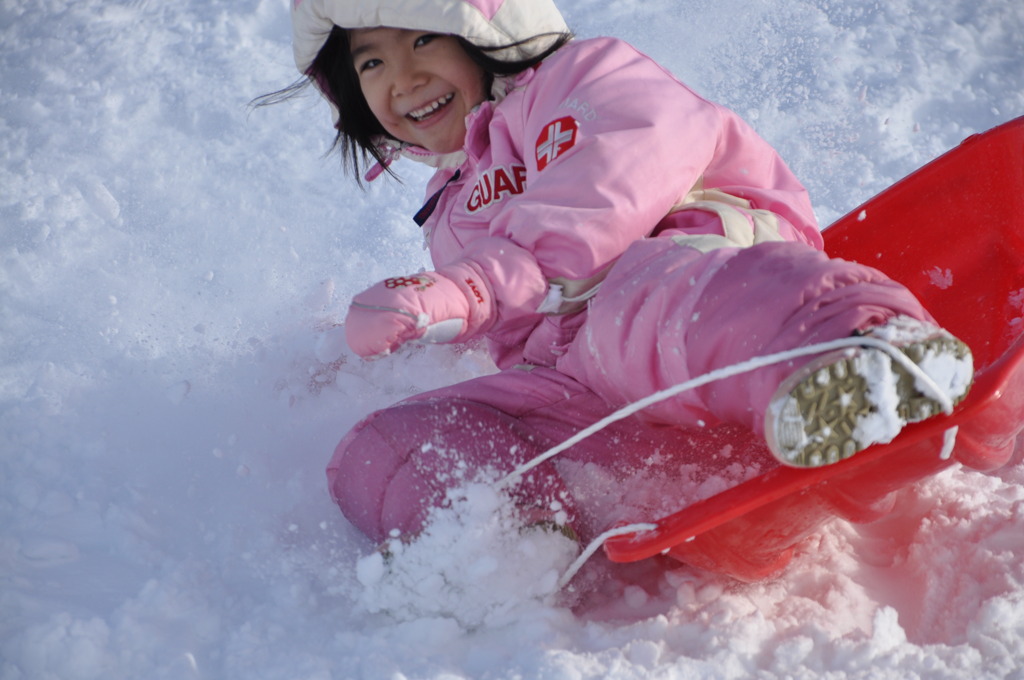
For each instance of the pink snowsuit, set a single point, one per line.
(629, 235)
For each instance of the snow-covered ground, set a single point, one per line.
(168, 396)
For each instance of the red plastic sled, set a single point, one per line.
(953, 232)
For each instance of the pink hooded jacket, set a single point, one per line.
(569, 164)
(583, 157)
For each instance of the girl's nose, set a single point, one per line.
(407, 81)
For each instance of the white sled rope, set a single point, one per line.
(923, 380)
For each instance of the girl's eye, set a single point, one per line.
(426, 39)
(369, 64)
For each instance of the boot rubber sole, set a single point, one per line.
(843, 402)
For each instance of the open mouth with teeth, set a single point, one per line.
(430, 109)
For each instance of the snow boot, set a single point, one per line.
(845, 401)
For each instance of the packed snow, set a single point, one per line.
(171, 384)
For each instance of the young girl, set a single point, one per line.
(610, 233)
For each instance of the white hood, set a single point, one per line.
(485, 23)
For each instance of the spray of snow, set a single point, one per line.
(476, 562)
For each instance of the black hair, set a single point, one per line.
(497, 67)
(358, 130)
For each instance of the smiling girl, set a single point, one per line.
(610, 233)
(419, 86)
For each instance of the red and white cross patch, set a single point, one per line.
(558, 137)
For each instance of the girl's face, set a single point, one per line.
(419, 85)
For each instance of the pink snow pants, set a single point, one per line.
(666, 313)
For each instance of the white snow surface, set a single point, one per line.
(171, 386)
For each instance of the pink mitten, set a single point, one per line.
(449, 305)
